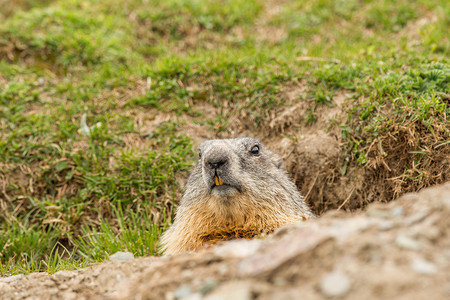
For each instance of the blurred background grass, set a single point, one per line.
(71, 197)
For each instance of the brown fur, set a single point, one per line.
(267, 200)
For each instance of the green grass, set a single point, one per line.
(136, 232)
(71, 198)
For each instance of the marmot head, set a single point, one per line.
(235, 166)
(237, 189)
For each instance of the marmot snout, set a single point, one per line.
(218, 172)
(237, 189)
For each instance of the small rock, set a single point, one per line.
(377, 213)
(11, 278)
(64, 275)
(417, 217)
(231, 291)
(238, 248)
(447, 253)
(397, 211)
(422, 266)
(406, 242)
(121, 256)
(208, 286)
(69, 295)
(432, 233)
(279, 281)
(186, 273)
(446, 201)
(47, 283)
(335, 284)
(195, 296)
(385, 225)
(182, 292)
(5, 287)
(342, 229)
(223, 269)
(301, 241)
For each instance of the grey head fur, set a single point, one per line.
(246, 167)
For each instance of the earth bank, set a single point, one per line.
(399, 250)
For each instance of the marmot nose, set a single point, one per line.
(216, 163)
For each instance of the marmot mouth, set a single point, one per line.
(220, 184)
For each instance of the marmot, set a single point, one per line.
(238, 189)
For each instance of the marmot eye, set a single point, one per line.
(255, 150)
(199, 154)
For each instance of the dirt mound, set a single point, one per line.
(399, 250)
(396, 160)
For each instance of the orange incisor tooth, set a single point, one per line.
(217, 180)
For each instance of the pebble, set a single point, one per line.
(446, 201)
(5, 287)
(64, 275)
(182, 292)
(406, 242)
(288, 247)
(422, 266)
(279, 281)
(223, 269)
(385, 225)
(70, 295)
(121, 256)
(344, 228)
(397, 211)
(447, 253)
(208, 286)
(48, 283)
(195, 296)
(231, 291)
(416, 217)
(335, 284)
(11, 278)
(377, 213)
(186, 273)
(238, 248)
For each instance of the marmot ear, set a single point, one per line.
(277, 161)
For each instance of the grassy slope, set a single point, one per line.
(118, 61)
